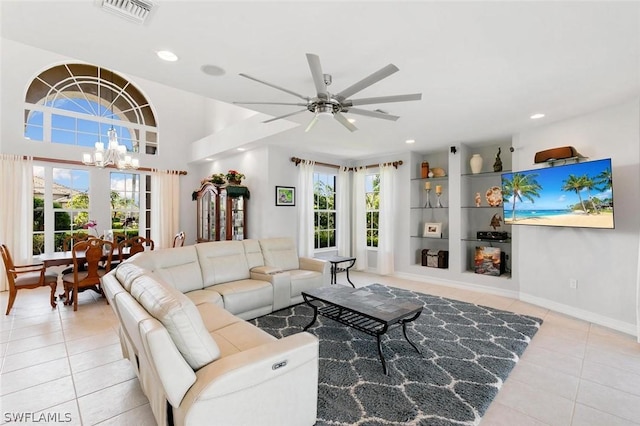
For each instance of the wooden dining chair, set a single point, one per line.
(67, 245)
(26, 276)
(178, 240)
(96, 255)
(133, 245)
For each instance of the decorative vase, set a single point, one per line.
(476, 163)
(234, 182)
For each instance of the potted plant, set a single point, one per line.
(217, 179)
(234, 177)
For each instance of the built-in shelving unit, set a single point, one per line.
(426, 210)
(460, 217)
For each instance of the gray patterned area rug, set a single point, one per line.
(467, 351)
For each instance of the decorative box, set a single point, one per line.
(435, 258)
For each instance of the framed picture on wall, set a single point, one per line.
(285, 196)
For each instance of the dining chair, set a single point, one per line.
(178, 240)
(96, 255)
(131, 246)
(67, 245)
(27, 276)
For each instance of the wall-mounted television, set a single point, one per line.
(578, 195)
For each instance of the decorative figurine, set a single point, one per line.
(495, 221)
(478, 199)
(497, 166)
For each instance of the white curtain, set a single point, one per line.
(360, 219)
(16, 210)
(386, 220)
(165, 207)
(305, 208)
(343, 223)
(638, 295)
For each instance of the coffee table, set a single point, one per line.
(363, 310)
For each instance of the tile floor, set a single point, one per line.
(69, 365)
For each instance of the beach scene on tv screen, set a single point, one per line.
(579, 194)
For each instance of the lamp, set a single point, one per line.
(115, 155)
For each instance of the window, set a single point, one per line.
(125, 204)
(372, 193)
(324, 206)
(75, 104)
(66, 213)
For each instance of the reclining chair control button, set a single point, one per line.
(278, 365)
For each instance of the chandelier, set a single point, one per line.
(115, 154)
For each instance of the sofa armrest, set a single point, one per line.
(266, 270)
(282, 375)
(313, 264)
(281, 283)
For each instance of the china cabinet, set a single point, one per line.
(221, 212)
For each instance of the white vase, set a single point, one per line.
(476, 163)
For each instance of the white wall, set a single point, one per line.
(603, 261)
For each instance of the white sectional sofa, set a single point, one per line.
(182, 314)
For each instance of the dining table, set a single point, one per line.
(63, 258)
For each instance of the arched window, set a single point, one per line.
(75, 104)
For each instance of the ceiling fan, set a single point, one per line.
(334, 105)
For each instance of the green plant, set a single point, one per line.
(217, 179)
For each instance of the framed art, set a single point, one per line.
(285, 196)
(432, 230)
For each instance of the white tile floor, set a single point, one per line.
(69, 364)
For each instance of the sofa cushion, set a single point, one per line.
(244, 295)
(253, 253)
(127, 272)
(280, 252)
(177, 266)
(179, 316)
(222, 262)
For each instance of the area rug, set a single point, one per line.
(467, 351)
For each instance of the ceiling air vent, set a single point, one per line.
(133, 10)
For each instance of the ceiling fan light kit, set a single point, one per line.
(327, 105)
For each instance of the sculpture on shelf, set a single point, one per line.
(497, 166)
(478, 199)
(495, 221)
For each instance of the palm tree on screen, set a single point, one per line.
(520, 186)
(576, 184)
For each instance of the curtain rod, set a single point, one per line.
(80, 163)
(335, 166)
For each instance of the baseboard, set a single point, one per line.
(457, 284)
(582, 314)
(592, 317)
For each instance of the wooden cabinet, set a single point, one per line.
(221, 212)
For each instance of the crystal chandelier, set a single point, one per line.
(115, 155)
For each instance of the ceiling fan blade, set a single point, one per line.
(318, 75)
(374, 114)
(271, 103)
(367, 81)
(383, 99)
(312, 123)
(346, 123)
(275, 86)
(285, 116)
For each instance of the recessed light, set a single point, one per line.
(241, 149)
(536, 116)
(166, 55)
(410, 141)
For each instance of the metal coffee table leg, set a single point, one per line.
(315, 312)
(404, 329)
